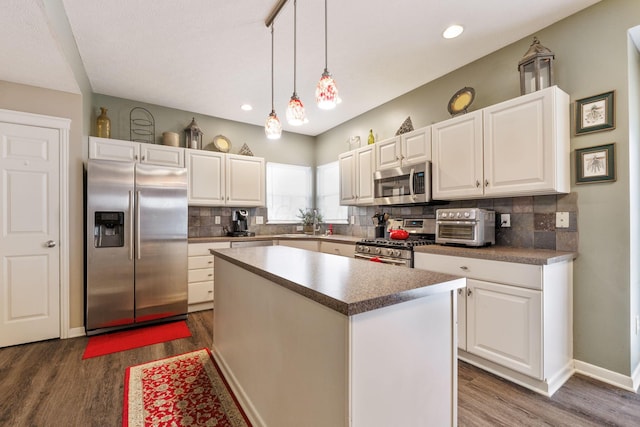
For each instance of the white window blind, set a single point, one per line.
(328, 194)
(289, 188)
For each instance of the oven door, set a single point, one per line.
(459, 232)
(384, 260)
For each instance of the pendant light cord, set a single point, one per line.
(272, 104)
(325, 36)
(295, 7)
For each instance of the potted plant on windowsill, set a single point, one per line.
(311, 220)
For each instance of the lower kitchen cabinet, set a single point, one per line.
(344, 249)
(310, 245)
(201, 275)
(514, 320)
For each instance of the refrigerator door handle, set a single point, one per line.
(131, 224)
(138, 249)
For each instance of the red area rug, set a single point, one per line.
(133, 338)
(188, 389)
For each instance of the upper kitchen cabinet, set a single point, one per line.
(410, 147)
(217, 179)
(356, 176)
(245, 180)
(519, 147)
(116, 149)
(526, 145)
(457, 170)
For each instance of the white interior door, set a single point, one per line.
(29, 234)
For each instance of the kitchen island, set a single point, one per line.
(314, 339)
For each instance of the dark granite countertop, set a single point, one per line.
(347, 285)
(501, 253)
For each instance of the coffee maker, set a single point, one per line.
(240, 221)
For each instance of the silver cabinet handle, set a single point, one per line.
(477, 183)
(51, 244)
(486, 182)
(460, 291)
(468, 292)
(210, 275)
(464, 267)
(143, 158)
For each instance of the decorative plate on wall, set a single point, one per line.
(461, 100)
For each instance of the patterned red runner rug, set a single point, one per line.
(188, 389)
(134, 338)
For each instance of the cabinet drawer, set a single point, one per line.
(202, 261)
(200, 292)
(525, 275)
(201, 275)
(203, 248)
(343, 249)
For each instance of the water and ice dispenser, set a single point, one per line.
(108, 229)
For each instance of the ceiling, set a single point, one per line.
(212, 56)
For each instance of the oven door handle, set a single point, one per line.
(382, 260)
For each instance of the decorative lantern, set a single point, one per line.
(193, 135)
(536, 68)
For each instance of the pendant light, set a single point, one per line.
(272, 127)
(295, 109)
(326, 90)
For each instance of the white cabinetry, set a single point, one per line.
(201, 275)
(115, 149)
(457, 168)
(516, 148)
(343, 249)
(217, 179)
(356, 176)
(410, 147)
(514, 320)
(310, 245)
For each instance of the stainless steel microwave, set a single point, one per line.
(403, 185)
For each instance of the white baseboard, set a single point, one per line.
(76, 332)
(624, 382)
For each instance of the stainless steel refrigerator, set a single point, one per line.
(136, 244)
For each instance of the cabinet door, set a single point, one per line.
(343, 249)
(388, 153)
(526, 145)
(504, 325)
(347, 165)
(457, 158)
(365, 166)
(206, 177)
(416, 145)
(245, 181)
(162, 155)
(113, 149)
(462, 318)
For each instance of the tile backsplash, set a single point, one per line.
(533, 220)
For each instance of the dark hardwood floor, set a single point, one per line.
(48, 384)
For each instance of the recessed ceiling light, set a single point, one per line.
(453, 31)
(246, 107)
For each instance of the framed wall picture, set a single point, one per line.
(596, 164)
(595, 114)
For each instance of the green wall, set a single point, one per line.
(592, 57)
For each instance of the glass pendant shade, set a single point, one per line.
(295, 111)
(273, 127)
(326, 91)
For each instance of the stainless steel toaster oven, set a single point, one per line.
(466, 226)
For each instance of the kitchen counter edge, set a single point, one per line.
(332, 238)
(501, 253)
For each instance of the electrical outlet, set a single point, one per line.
(562, 219)
(299, 228)
(216, 219)
(259, 220)
(505, 220)
(353, 220)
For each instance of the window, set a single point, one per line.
(289, 188)
(328, 194)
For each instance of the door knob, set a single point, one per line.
(51, 244)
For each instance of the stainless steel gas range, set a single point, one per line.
(396, 252)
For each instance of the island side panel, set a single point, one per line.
(284, 354)
(403, 361)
